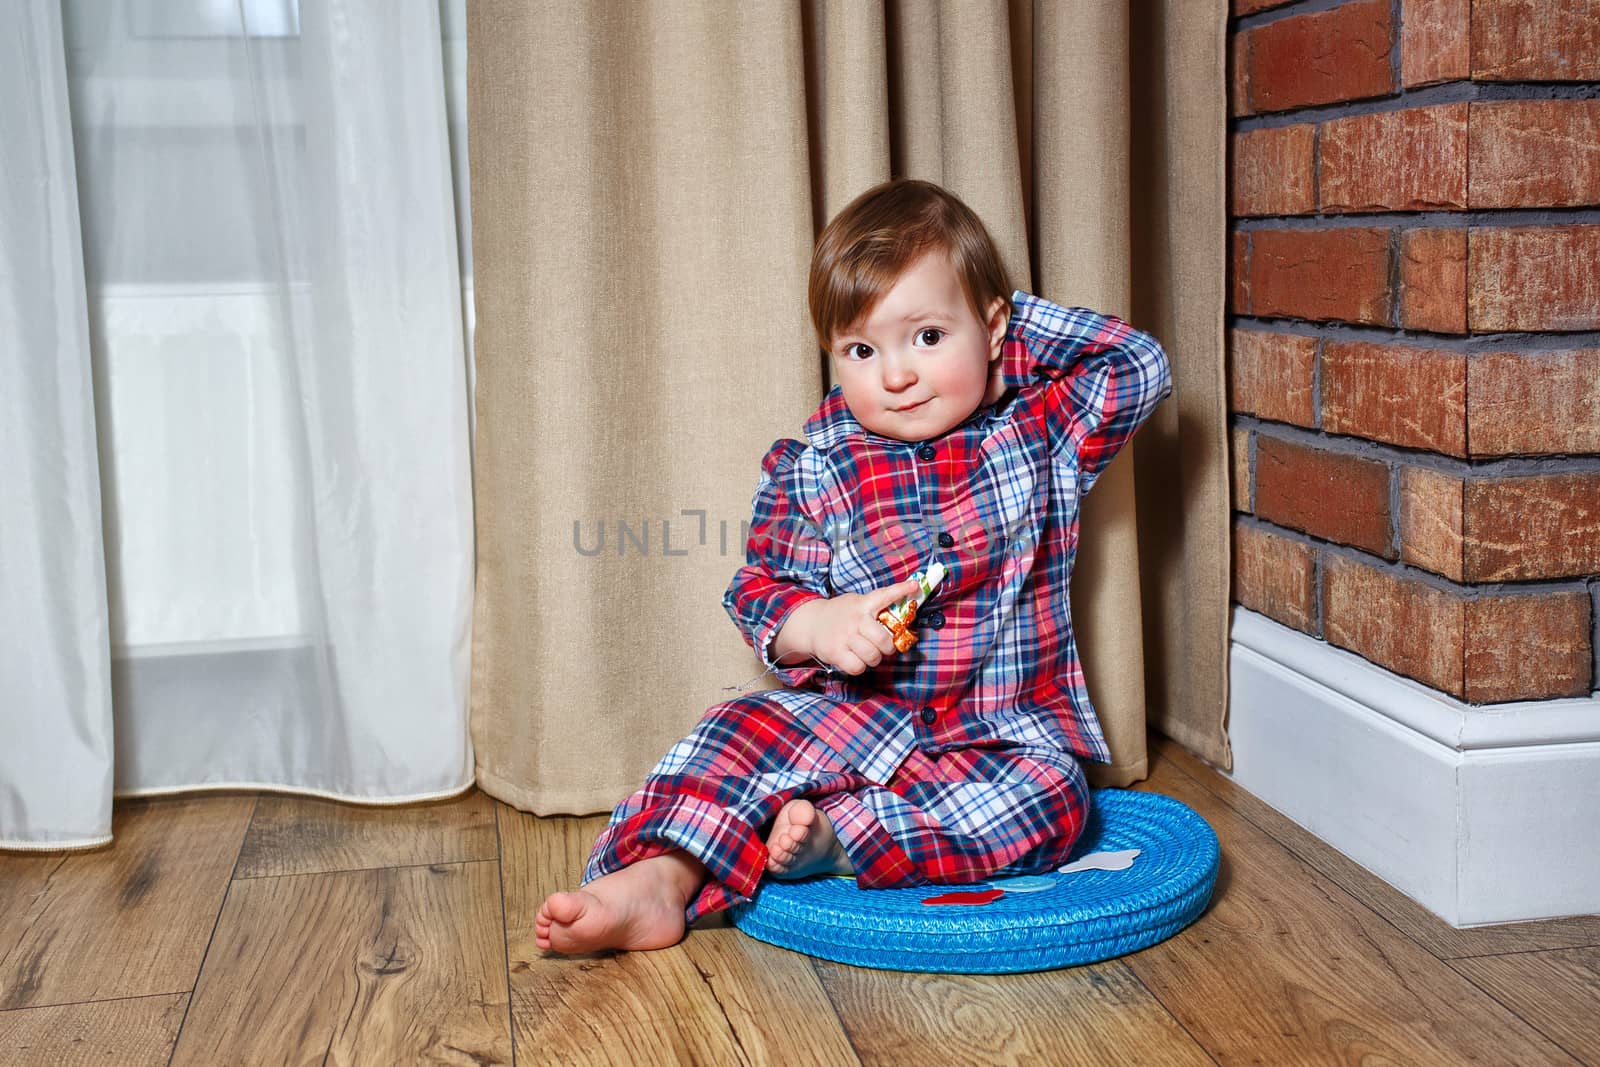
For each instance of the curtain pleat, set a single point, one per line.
(1179, 226)
(55, 651)
(236, 543)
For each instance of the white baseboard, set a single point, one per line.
(1481, 813)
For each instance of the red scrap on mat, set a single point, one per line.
(982, 896)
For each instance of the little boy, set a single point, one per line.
(966, 425)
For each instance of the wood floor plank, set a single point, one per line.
(135, 1031)
(1557, 991)
(716, 997)
(750, 979)
(1287, 967)
(127, 920)
(539, 855)
(1098, 1013)
(305, 835)
(400, 965)
(1422, 925)
(601, 1007)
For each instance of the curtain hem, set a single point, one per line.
(294, 790)
(1116, 775)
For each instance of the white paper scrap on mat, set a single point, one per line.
(1101, 861)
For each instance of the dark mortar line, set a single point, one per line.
(1522, 343)
(1394, 508)
(1394, 278)
(1397, 31)
(1278, 14)
(1435, 220)
(1594, 635)
(1395, 568)
(1381, 452)
(1316, 592)
(1456, 92)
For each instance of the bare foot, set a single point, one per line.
(639, 907)
(803, 843)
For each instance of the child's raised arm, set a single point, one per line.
(1106, 377)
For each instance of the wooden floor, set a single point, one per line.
(230, 929)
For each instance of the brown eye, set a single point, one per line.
(937, 334)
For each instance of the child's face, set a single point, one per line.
(920, 363)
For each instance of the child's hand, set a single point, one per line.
(844, 630)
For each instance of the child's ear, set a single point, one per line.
(997, 327)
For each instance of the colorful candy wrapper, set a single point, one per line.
(898, 618)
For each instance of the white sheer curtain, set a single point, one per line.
(235, 493)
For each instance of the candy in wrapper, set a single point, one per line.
(899, 617)
(900, 626)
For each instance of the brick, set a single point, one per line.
(1435, 41)
(1321, 274)
(1239, 76)
(1530, 403)
(1325, 494)
(1433, 280)
(1480, 649)
(1413, 159)
(1275, 576)
(1430, 520)
(1503, 528)
(1250, 7)
(1533, 278)
(1527, 647)
(1536, 40)
(1400, 623)
(1412, 397)
(1321, 58)
(1272, 171)
(1535, 153)
(1271, 375)
(1239, 467)
(1539, 526)
(1239, 273)
(1594, 634)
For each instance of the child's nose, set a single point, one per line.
(898, 372)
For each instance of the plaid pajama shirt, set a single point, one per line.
(957, 759)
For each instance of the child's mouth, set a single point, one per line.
(913, 407)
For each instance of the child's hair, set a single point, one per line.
(863, 250)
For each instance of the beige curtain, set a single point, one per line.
(648, 180)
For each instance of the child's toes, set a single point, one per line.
(563, 907)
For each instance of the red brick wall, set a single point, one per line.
(1414, 334)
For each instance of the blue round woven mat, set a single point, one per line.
(1086, 916)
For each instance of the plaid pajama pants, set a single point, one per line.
(956, 817)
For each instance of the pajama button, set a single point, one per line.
(935, 620)
(928, 715)
(946, 541)
(925, 452)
